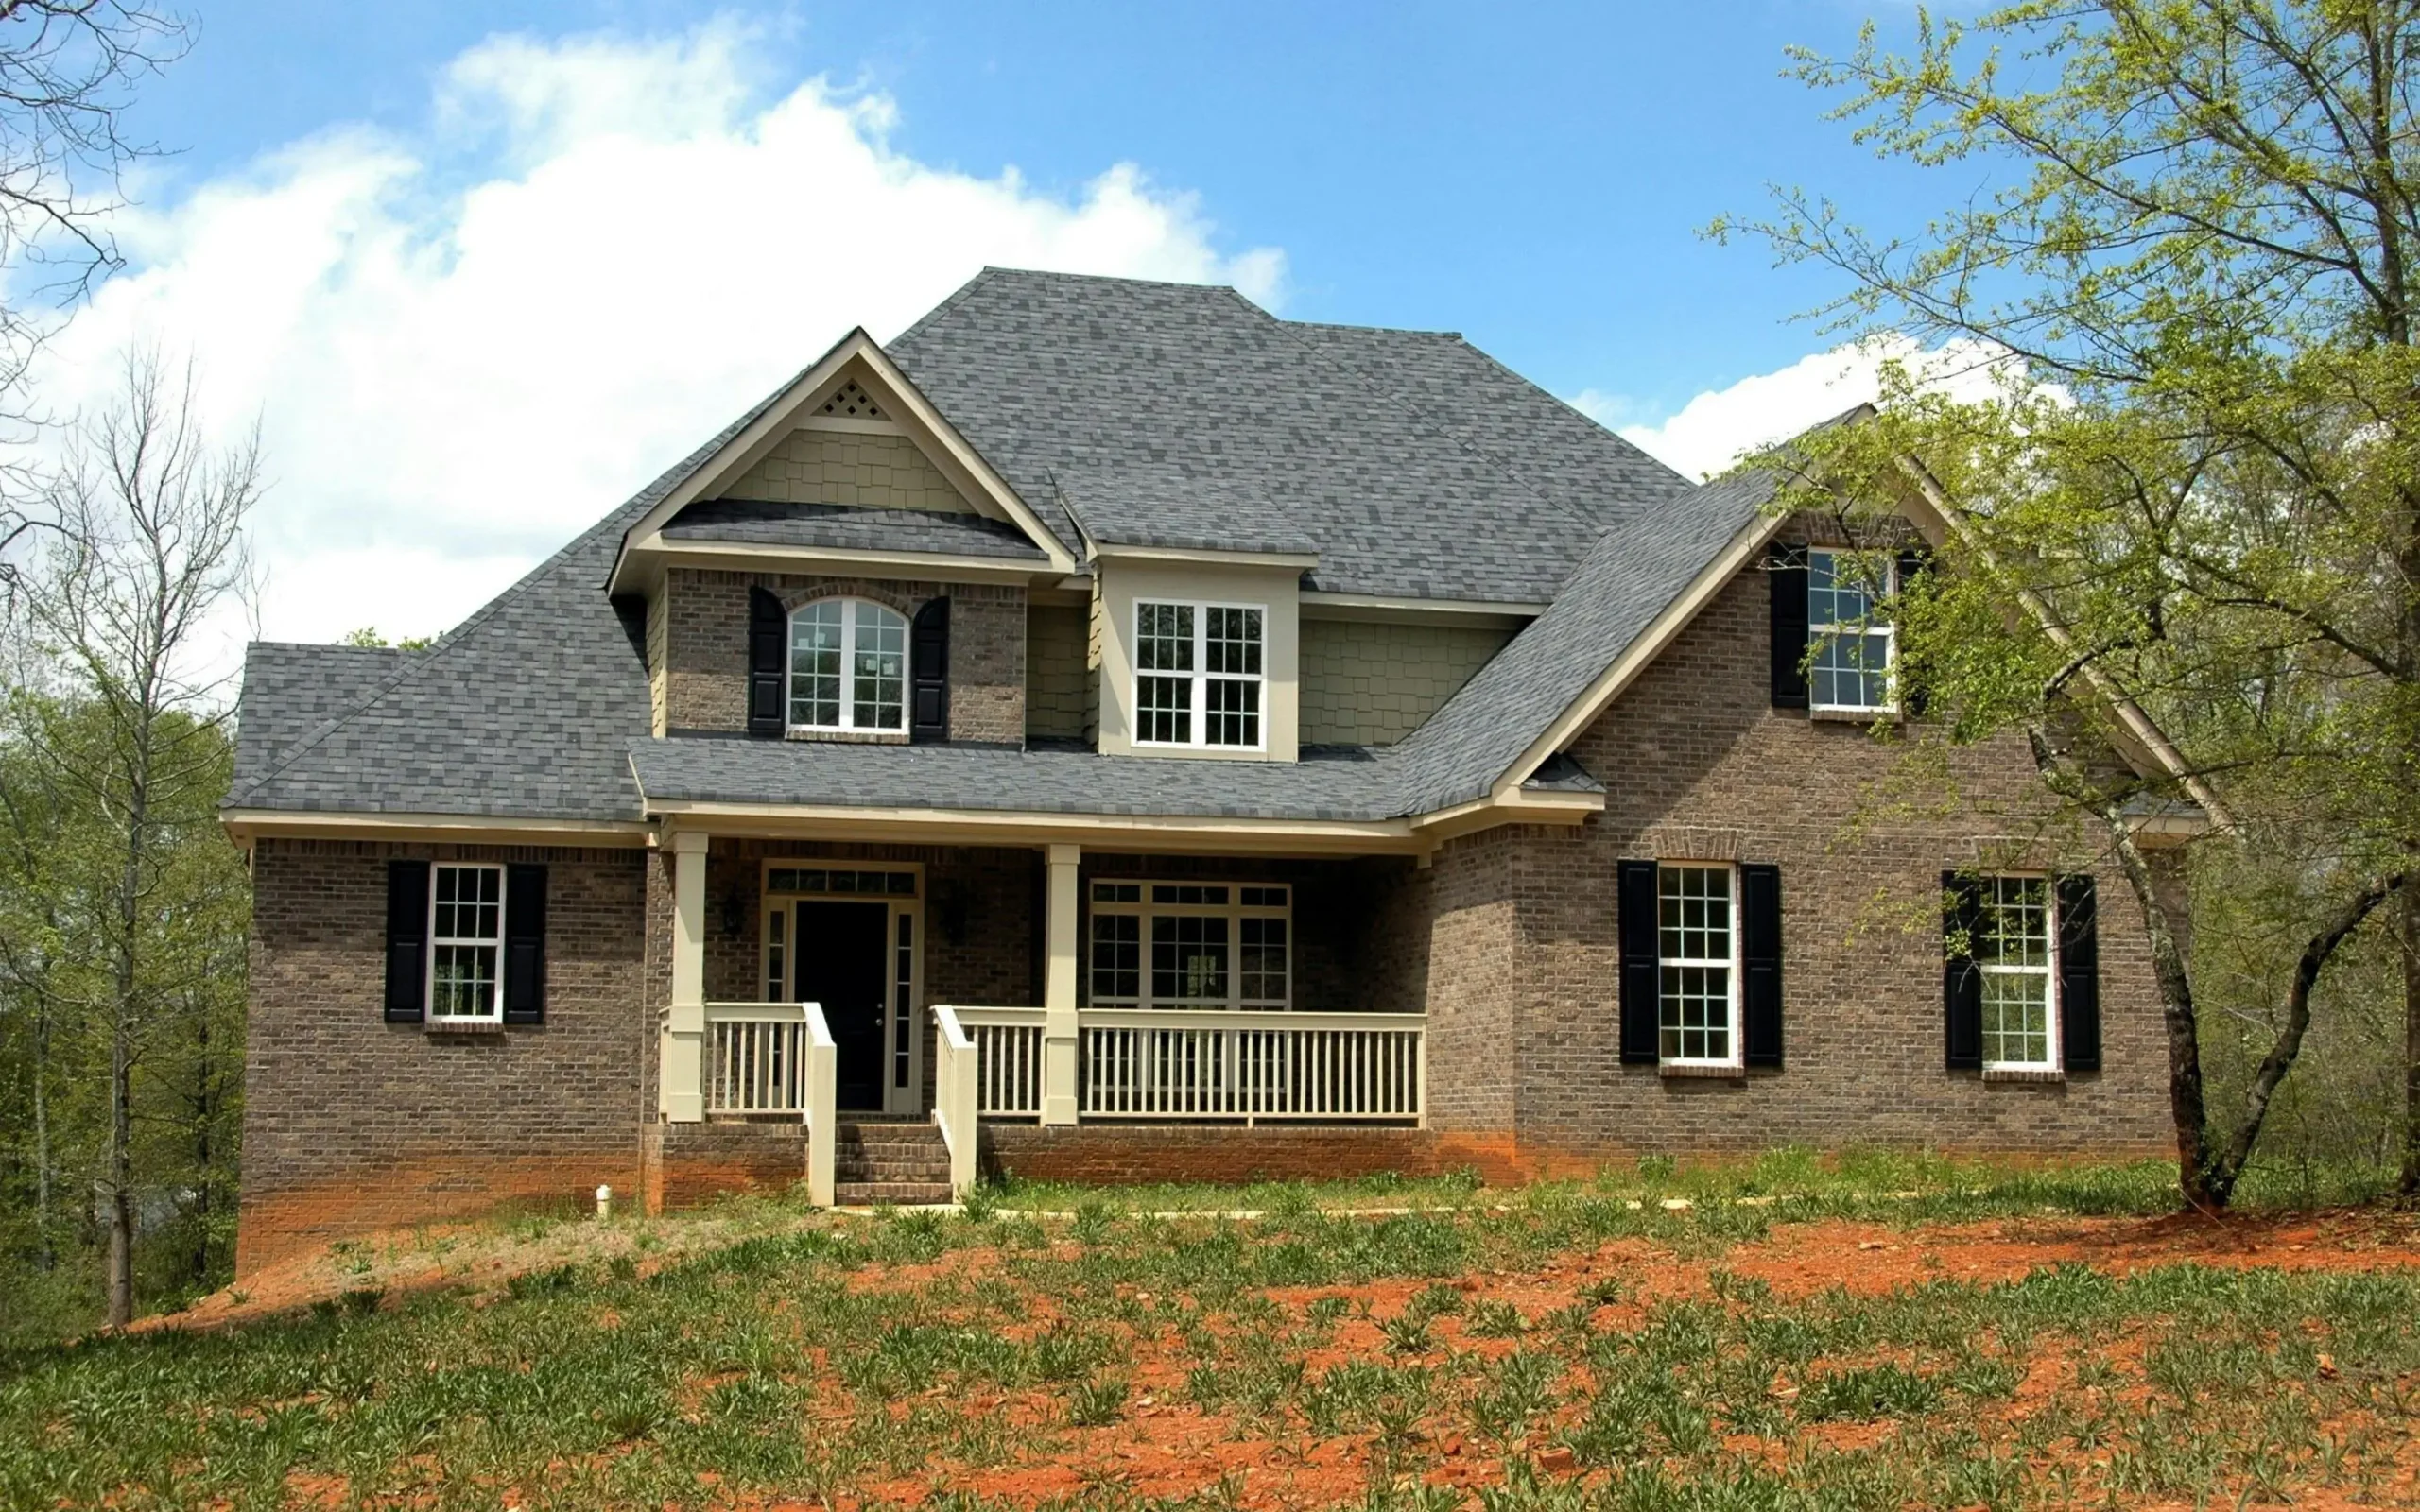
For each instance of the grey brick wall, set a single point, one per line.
(1523, 960)
(351, 1123)
(706, 646)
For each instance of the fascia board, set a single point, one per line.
(245, 825)
(1202, 557)
(1096, 831)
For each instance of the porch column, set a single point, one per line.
(1058, 990)
(682, 1061)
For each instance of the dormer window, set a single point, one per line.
(848, 667)
(1199, 673)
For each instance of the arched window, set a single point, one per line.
(848, 666)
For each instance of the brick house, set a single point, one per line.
(1112, 732)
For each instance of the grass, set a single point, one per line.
(1425, 1359)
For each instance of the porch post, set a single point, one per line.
(682, 1061)
(1058, 990)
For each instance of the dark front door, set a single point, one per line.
(839, 965)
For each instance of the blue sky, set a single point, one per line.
(1534, 178)
(413, 240)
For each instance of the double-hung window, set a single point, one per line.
(2013, 952)
(465, 944)
(1850, 640)
(1698, 951)
(1190, 945)
(848, 666)
(1198, 675)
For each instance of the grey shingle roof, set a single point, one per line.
(1370, 444)
(1334, 784)
(832, 525)
(1414, 464)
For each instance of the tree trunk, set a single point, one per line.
(130, 899)
(45, 1253)
(2410, 941)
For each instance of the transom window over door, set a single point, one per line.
(1198, 675)
(465, 941)
(1698, 953)
(1850, 642)
(848, 666)
(1192, 945)
(2012, 952)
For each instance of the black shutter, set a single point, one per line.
(1642, 973)
(2078, 973)
(1962, 981)
(407, 940)
(1760, 962)
(1786, 569)
(928, 664)
(524, 944)
(1913, 563)
(768, 627)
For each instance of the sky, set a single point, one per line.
(479, 272)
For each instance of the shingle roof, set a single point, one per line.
(1414, 464)
(1373, 446)
(749, 521)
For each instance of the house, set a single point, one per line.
(1112, 732)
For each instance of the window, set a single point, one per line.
(1697, 949)
(2012, 952)
(465, 943)
(848, 666)
(1197, 675)
(1190, 945)
(1849, 641)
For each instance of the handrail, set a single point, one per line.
(955, 1079)
(1244, 1019)
(819, 1107)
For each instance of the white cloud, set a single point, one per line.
(467, 344)
(1719, 426)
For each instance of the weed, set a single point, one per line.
(1097, 1403)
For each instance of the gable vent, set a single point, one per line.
(853, 403)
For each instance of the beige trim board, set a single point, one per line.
(855, 354)
(1644, 648)
(1388, 610)
(245, 825)
(1521, 808)
(1024, 828)
(1200, 557)
(752, 557)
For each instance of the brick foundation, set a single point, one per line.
(689, 1163)
(1127, 1154)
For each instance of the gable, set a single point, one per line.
(813, 465)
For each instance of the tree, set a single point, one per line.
(68, 69)
(2193, 255)
(147, 546)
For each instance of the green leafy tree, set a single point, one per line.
(2191, 259)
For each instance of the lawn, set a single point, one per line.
(1796, 1334)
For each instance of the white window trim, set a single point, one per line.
(1235, 911)
(1817, 631)
(848, 724)
(1733, 1037)
(2052, 1049)
(778, 961)
(1201, 676)
(428, 963)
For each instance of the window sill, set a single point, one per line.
(1693, 1072)
(849, 737)
(1857, 716)
(458, 1031)
(2024, 1073)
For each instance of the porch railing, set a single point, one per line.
(1158, 1063)
(1166, 1064)
(956, 1072)
(1007, 1044)
(777, 1059)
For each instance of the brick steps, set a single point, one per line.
(883, 1161)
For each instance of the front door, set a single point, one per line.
(841, 966)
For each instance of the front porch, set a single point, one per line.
(824, 984)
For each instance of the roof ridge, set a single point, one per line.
(955, 298)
